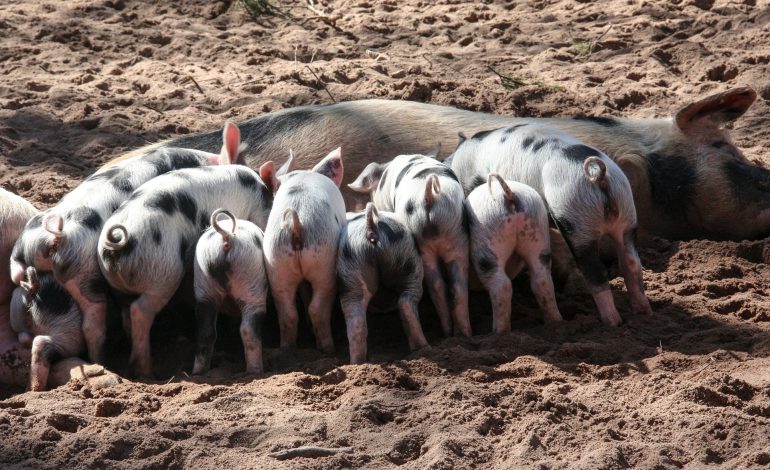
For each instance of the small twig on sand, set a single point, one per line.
(425, 56)
(322, 83)
(310, 452)
(197, 85)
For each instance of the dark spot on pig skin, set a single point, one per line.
(187, 206)
(219, 269)
(246, 178)
(183, 158)
(512, 129)
(540, 144)
(600, 120)
(383, 177)
(50, 352)
(87, 217)
(158, 161)
(409, 267)
(579, 153)
(527, 142)
(53, 297)
(409, 207)
(748, 183)
(156, 235)
(257, 240)
(672, 183)
(545, 259)
(564, 225)
(480, 135)
(590, 264)
(63, 267)
(466, 222)
(347, 252)
(122, 183)
(186, 252)
(477, 181)
(403, 172)
(95, 288)
(267, 196)
(430, 230)
(394, 234)
(164, 201)
(486, 265)
(436, 170)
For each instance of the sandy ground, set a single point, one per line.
(82, 81)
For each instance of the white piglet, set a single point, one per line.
(427, 196)
(301, 241)
(378, 267)
(509, 228)
(230, 278)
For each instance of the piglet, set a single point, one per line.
(230, 278)
(43, 309)
(378, 262)
(509, 228)
(428, 198)
(301, 242)
(145, 246)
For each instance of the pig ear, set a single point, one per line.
(267, 173)
(231, 145)
(368, 179)
(435, 153)
(287, 167)
(715, 110)
(331, 166)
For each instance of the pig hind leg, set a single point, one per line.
(410, 318)
(93, 306)
(44, 352)
(457, 278)
(354, 311)
(252, 318)
(284, 289)
(491, 272)
(143, 311)
(437, 290)
(205, 335)
(320, 308)
(539, 266)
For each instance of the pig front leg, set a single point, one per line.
(410, 318)
(631, 268)
(542, 286)
(590, 265)
(143, 311)
(44, 352)
(437, 290)
(206, 336)
(355, 321)
(251, 336)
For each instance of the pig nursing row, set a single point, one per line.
(138, 227)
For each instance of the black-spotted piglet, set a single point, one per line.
(44, 310)
(586, 193)
(427, 196)
(378, 262)
(301, 241)
(144, 247)
(509, 228)
(230, 278)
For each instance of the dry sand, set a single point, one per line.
(82, 81)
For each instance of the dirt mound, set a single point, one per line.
(83, 81)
